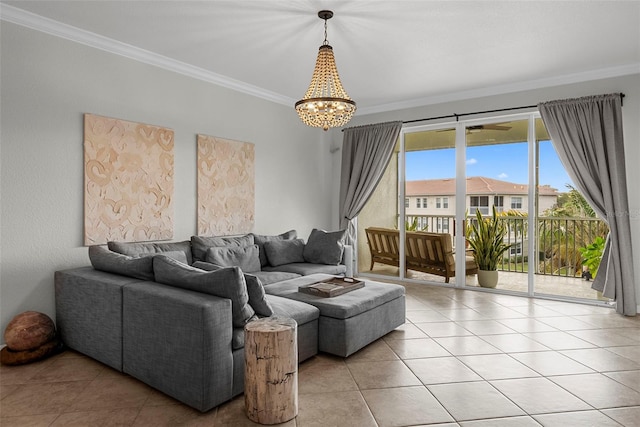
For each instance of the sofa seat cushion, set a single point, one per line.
(300, 312)
(306, 268)
(269, 277)
(344, 306)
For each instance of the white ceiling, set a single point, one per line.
(390, 54)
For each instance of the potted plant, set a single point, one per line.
(486, 239)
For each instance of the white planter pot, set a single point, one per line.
(488, 278)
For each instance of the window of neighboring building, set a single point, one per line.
(445, 202)
(406, 202)
(516, 249)
(498, 202)
(479, 203)
(417, 202)
(516, 203)
(424, 202)
(445, 225)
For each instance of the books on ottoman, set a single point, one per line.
(332, 287)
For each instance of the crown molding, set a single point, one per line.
(39, 23)
(58, 29)
(585, 76)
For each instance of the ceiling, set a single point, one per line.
(390, 54)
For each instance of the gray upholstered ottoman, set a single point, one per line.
(349, 321)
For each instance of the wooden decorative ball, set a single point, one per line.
(28, 331)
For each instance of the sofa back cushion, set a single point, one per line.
(245, 257)
(324, 247)
(200, 244)
(137, 249)
(226, 282)
(260, 240)
(255, 289)
(138, 267)
(284, 251)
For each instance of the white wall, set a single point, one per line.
(629, 85)
(47, 83)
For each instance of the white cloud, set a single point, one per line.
(503, 175)
(472, 162)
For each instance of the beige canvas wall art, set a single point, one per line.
(226, 186)
(128, 181)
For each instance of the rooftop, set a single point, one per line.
(476, 185)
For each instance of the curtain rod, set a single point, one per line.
(457, 116)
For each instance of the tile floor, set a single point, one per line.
(463, 358)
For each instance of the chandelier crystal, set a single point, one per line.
(326, 103)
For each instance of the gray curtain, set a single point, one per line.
(587, 134)
(366, 151)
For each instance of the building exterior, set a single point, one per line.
(436, 198)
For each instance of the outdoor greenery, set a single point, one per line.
(592, 255)
(486, 238)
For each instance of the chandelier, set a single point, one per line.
(326, 103)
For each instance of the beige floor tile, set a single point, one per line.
(628, 417)
(232, 414)
(565, 323)
(536, 310)
(443, 329)
(6, 390)
(513, 343)
(474, 400)
(46, 398)
(598, 390)
(606, 337)
(43, 420)
(405, 332)
(539, 395)
(157, 398)
(439, 370)
(601, 360)
(111, 393)
(104, 418)
(632, 333)
(21, 374)
(629, 378)
(526, 324)
(324, 378)
(485, 327)
(611, 320)
(558, 340)
(577, 419)
(463, 346)
(173, 415)
(385, 374)
(334, 409)
(377, 350)
(631, 353)
(405, 406)
(417, 348)
(551, 363)
(420, 316)
(462, 314)
(69, 369)
(499, 312)
(502, 422)
(497, 366)
(413, 303)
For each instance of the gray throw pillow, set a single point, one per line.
(226, 282)
(324, 247)
(245, 257)
(137, 249)
(281, 252)
(112, 262)
(255, 289)
(261, 239)
(200, 244)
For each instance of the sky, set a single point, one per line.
(506, 162)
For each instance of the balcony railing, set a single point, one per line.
(557, 242)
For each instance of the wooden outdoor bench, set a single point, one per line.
(426, 252)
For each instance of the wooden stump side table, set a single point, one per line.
(271, 370)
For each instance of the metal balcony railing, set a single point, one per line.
(557, 241)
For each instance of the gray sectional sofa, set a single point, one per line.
(172, 314)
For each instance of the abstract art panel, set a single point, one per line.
(226, 186)
(128, 181)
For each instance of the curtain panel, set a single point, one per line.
(587, 134)
(366, 151)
